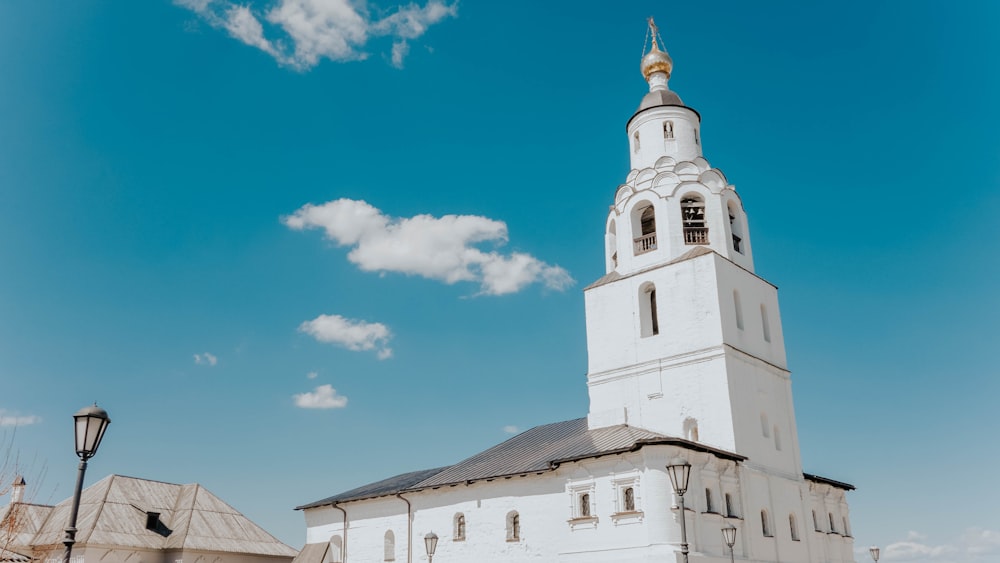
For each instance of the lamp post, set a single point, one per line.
(430, 543)
(679, 471)
(90, 424)
(729, 536)
(874, 551)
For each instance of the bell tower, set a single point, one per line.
(683, 337)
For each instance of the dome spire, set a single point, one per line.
(656, 64)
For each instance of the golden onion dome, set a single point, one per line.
(656, 61)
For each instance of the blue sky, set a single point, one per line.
(156, 158)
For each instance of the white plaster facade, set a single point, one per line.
(703, 359)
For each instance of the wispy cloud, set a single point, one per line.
(440, 248)
(511, 429)
(974, 545)
(350, 333)
(323, 397)
(311, 30)
(312, 375)
(9, 419)
(205, 359)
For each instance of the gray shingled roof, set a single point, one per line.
(113, 512)
(542, 448)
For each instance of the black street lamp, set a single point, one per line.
(729, 536)
(430, 544)
(874, 551)
(679, 471)
(90, 424)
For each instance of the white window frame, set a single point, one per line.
(619, 483)
(576, 490)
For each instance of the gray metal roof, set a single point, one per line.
(659, 98)
(385, 487)
(542, 448)
(312, 553)
(537, 449)
(113, 512)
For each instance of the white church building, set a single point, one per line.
(686, 361)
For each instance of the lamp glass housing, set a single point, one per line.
(90, 423)
(729, 535)
(874, 551)
(679, 471)
(431, 542)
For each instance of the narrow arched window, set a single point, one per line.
(668, 130)
(635, 142)
(585, 505)
(739, 309)
(777, 438)
(336, 552)
(765, 525)
(646, 241)
(735, 228)
(647, 221)
(793, 526)
(833, 527)
(693, 218)
(709, 505)
(649, 322)
(459, 527)
(730, 507)
(652, 312)
(390, 546)
(765, 428)
(816, 522)
(629, 499)
(513, 526)
(764, 323)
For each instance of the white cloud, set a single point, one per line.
(337, 30)
(205, 359)
(412, 21)
(974, 545)
(17, 420)
(323, 397)
(243, 25)
(511, 429)
(312, 375)
(399, 51)
(350, 333)
(439, 248)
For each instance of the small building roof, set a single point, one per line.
(312, 553)
(540, 449)
(116, 511)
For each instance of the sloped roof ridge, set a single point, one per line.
(246, 525)
(120, 476)
(388, 486)
(614, 275)
(100, 508)
(179, 512)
